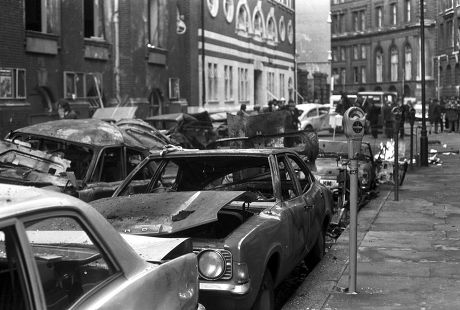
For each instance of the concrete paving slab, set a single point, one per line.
(408, 255)
(401, 239)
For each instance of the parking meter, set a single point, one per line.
(397, 114)
(353, 125)
(411, 122)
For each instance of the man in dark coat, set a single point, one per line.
(434, 115)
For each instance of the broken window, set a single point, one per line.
(42, 15)
(93, 12)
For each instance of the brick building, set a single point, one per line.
(446, 61)
(376, 45)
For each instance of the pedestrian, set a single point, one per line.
(434, 115)
(242, 111)
(373, 118)
(388, 119)
(404, 114)
(65, 111)
(343, 104)
(295, 113)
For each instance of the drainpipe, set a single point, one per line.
(116, 52)
(203, 52)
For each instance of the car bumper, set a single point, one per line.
(225, 296)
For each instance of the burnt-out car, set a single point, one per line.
(100, 155)
(57, 252)
(252, 214)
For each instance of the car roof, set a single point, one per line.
(85, 131)
(16, 200)
(310, 106)
(221, 152)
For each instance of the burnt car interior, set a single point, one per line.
(79, 156)
(69, 264)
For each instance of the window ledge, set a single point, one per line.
(96, 48)
(156, 55)
(41, 43)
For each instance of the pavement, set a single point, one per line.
(408, 250)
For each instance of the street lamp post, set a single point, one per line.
(423, 136)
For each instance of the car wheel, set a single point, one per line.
(317, 252)
(266, 297)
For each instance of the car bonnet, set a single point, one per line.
(164, 213)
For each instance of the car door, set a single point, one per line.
(312, 195)
(299, 208)
(314, 119)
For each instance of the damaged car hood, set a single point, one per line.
(327, 166)
(20, 162)
(164, 213)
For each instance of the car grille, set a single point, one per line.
(228, 262)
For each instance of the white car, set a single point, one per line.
(314, 116)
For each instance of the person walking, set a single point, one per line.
(434, 115)
(242, 111)
(373, 118)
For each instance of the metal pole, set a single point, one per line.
(411, 145)
(423, 136)
(396, 168)
(353, 224)
(203, 57)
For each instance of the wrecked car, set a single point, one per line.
(99, 156)
(252, 214)
(57, 252)
(187, 130)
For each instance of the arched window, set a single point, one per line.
(271, 29)
(379, 66)
(282, 27)
(394, 64)
(408, 63)
(457, 74)
(229, 10)
(243, 19)
(258, 24)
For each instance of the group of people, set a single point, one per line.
(275, 105)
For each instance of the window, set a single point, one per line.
(343, 76)
(290, 32)
(408, 63)
(394, 64)
(355, 52)
(393, 12)
(12, 83)
(448, 75)
(449, 34)
(109, 167)
(282, 27)
(379, 17)
(342, 54)
(258, 24)
(42, 15)
(355, 21)
(213, 6)
(229, 8)
(379, 66)
(94, 18)
(362, 16)
(81, 85)
(363, 52)
(282, 86)
(334, 54)
(13, 293)
(243, 84)
(288, 187)
(69, 261)
(271, 84)
(407, 11)
(212, 82)
(291, 88)
(271, 29)
(228, 73)
(243, 19)
(356, 75)
(363, 75)
(156, 23)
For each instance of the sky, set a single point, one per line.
(312, 29)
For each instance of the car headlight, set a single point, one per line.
(211, 264)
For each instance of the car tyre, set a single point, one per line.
(265, 299)
(317, 252)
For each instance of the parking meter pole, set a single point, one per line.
(411, 146)
(396, 169)
(353, 125)
(353, 225)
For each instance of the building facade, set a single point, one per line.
(238, 51)
(376, 46)
(446, 61)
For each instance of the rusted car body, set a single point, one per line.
(253, 215)
(100, 155)
(57, 252)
